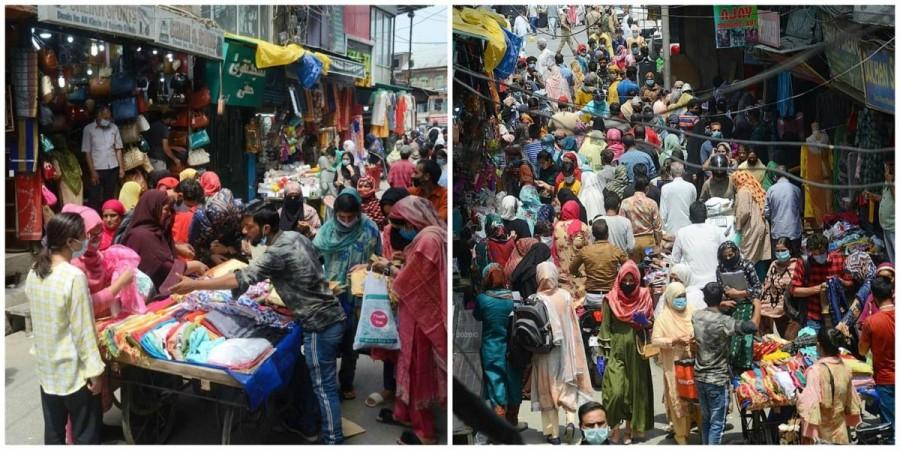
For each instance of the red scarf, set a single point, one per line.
(624, 306)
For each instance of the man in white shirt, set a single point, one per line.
(697, 245)
(621, 233)
(546, 58)
(103, 144)
(676, 199)
(521, 27)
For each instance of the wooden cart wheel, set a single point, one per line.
(242, 427)
(148, 417)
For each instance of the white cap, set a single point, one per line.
(686, 87)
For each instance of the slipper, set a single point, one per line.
(409, 438)
(386, 416)
(377, 399)
(348, 395)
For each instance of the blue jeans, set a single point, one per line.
(320, 350)
(713, 408)
(534, 23)
(886, 404)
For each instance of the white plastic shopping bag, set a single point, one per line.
(377, 325)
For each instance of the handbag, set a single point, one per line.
(201, 99)
(46, 144)
(124, 109)
(199, 120)
(79, 94)
(130, 133)
(377, 327)
(645, 347)
(180, 84)
(178, 138)
(47, 90)
(795, 309)
(49, 171)
(251, 135)
(684, 380)
(100, 87)
(143, 85)
(78, 115)
(198, 157)
(143, 124)
(134, 158)
(199, 139)
(122, 84)
(46, 116)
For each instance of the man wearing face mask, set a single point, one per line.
(103, 144)
(425, 180)
(592, 420)
(810, 279)
(714, 131)
(292, 264)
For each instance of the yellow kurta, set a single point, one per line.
(814, 165)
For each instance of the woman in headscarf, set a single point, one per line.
(670, 144)
(215, 232)
(569, 235)
(829, 404)
(569, 176)
(347, 239)
(577, 75)
(421, 288)
(885, 270)
(497, 247)
(566, 195)
(390, 237)
(523, 278)
(672, 334)
(530, 203)
(492, 308)
(366, 186)
(627, 386)
(731, 262)
(210, 183)
(592, 195)
(862, 271)
(523, 246)
(681, 273)
(150, 235)
(619, 182)
(560, 378)
(348, 174)
(749, 221)
(614, 142)
(509, 214)
(291, 208)
(619, 59)
(777, 279)
(328, 173)
(129, 195)
(113, 211)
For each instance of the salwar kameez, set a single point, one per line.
(627, 385)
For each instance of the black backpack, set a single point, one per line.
(531, 326)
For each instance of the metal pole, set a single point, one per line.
(667, 49)
(411, 14)
(393, 42)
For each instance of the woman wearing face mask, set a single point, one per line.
(559, 379)
(348, 174)
(672, 333)
(441, 159)
(566, 195)
(777, 279)
(569, 235)
(627, 386)
(731, 262)
(530, 199)
(614, 142)
(492, 309)
(512, 222)
(681, 273)
(346, 240)
(749, 220)
(421, 288)
(69, 364)
(862, 271)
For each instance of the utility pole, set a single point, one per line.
(667, 49)
(410, 14)
(393, 52)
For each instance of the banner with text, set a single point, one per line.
(736, 26)
(878, 73)
(243, 84)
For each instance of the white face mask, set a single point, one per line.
(547, 240)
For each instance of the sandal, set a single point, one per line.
(378, 398)
(348, 395)
(386, 416)
(409, 438)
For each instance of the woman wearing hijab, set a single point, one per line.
(627, 386)
(366, 186)
(348, 174)
(620, 182)
(560, 378)
(210, 183)
(591, 195)
(569, 235)
(421, 288)
(777, 280)
(862, 271)
(215, 231)
(328, 173)
(885, 270)
(150, 235)
(681, 273)
(566, 195)
(749, 221)
(509, 214)
(129, 195)
(292, 208)
(523, 246)
(614, 142)
(731, 262)
(497, 247)
(670, 144)
(672, 334)
(492, 308)
(113, 211)
(347, 239)
(530, 205)
(619, 59)
(390, 237)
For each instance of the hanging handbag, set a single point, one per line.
(129, 133)
(178, 138)
(143, 124)
(79, 94)
(47, 90)
(46, 144)
(46, 116)
(199, 120)
(201, 99)
(178, 100)
(144, 145)
(48, 171)
(78, 115)
(645, 347)
(134, 158)
(142, 86)
(199, 139)
(100, 87)
(48, 61)
(122, 84)
(251, 135)
(198, 157)
(124, 109)
(180, 84)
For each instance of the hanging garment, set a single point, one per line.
(815, 165)
(29, 214)
(392, 112)
(870, 134)
(379, 107)
(401, 115)
(785, 91)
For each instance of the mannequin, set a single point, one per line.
(815, 164)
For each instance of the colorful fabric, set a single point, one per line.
(743, 179)
(818, 274)
(625, 306)
(344, 247)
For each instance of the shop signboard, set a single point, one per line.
(243, 84)
(348, 67)
(878, 73)
(136, 21)
(769, 28)
(366, 60)
(843, 55)
(736, 25)
(186, 34)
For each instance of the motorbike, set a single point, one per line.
(871, 433)
(589, 322)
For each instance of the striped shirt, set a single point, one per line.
(532, 149)
(65, 341)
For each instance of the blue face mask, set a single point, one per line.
(679, 303)
(409, 235)
(783, 256)
(651, 82)
(716, 134)
(596, 436)
(79, 253)
(821, 259)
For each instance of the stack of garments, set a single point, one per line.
(862, 372)
(774, 381)
(849, 237)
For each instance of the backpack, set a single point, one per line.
(531, 326)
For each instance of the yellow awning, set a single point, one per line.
(486, 25)
(271, 55)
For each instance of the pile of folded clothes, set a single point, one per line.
(204, 327)
(774, 381)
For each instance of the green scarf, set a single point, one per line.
(70, 168)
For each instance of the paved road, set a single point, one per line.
(196, 423)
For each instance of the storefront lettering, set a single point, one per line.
(245, 67)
